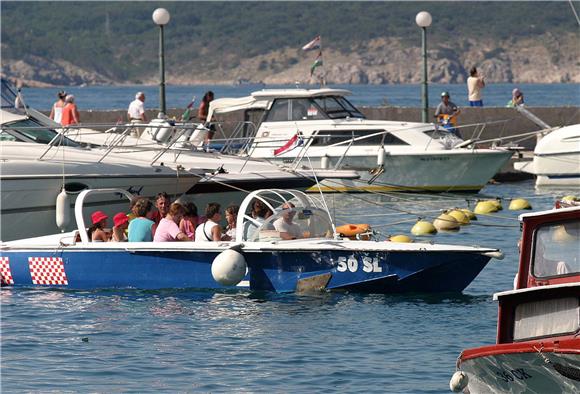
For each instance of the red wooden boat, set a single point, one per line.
(538, 331)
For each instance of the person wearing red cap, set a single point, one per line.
(121, 221)
(96, 231)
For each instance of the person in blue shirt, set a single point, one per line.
(141, 228)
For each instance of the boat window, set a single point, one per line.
(547, 318)
(336, 107)
(5, 136)
(279, 112)
(330, 137)
(556, 250)
(28, 130)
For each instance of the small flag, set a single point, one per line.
(312, 45)
(187, 114)
(317, 62)
(292, 143)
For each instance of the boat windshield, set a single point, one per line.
(27, 130)
(556, 250)
(296, 109)
(337, 107)
(298, 222)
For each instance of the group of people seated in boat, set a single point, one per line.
(170, 222)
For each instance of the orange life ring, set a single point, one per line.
(352, 230)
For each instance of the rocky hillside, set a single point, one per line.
(364, 43)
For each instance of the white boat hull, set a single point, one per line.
(431, 171)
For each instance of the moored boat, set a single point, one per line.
(538, 345)
(322, 129)
(259, 259)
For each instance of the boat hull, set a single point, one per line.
(283, 269)
(525, 369)
(429, 172)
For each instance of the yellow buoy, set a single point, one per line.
(461, 218)
(470, 215)
(446, 223)
(485, 207)
(518, 204)
(497, 203)
(400, 238)
(423, 227)
(569, 198)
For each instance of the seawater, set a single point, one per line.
(243, 342)
(408, 95)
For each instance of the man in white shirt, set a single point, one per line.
(136, 111)
(287, 228)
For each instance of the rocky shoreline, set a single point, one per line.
(546, 59)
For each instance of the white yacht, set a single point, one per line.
(37, 163)
(556, 159)
(322, 129)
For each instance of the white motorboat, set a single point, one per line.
(33, 174)
(321, 128)
(556, 159)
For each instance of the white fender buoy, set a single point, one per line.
(325, 162)
(62, 210)
(459, 381)
(381, 157)
(229, 267)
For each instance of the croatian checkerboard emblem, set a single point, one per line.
(47, 271)
(5, 274)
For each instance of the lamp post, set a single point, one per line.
(423, 20)
(161, 18)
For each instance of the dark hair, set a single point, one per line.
(190, 209)
(205, 98)
(141, 207)
(472, 71)
(162, 194)
(211, 209)
(61, 95)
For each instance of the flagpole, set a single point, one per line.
(322, 83)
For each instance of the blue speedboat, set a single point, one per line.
(320, 259)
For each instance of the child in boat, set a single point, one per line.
(97, 230)
(231, 218)
(189, 221)
(121, 221)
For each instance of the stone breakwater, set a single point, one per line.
(502, 122)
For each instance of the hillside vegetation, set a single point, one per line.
(364, 42)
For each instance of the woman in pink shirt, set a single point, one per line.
(168, 228)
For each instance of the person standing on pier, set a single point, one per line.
(475, 83)
(57, 107)
(70, 112)
(136, 111)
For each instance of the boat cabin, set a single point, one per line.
(546, 301)
(324, 118)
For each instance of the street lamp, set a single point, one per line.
(161, 18)
(423, 20)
